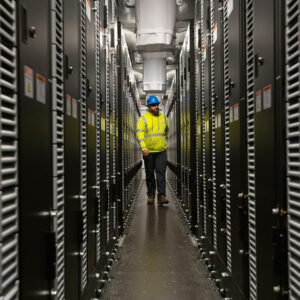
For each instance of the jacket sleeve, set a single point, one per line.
(140, 133)
(167, 128)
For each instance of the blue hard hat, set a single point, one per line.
(152, 100)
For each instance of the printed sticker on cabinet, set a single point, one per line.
(231, 114)
(89, 9)
(74, 108)
(219, 120)
(204, 54)
(229, 7)
(28, 82)
(69, 105)
(40, 88)
(267, 96)
(89, 117)
(216, 121)
(102, 124)
(258, 101)
(236, 113)
(101, 35)
(93, 118)
(215, 33)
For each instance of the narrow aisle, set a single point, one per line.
(158, 260)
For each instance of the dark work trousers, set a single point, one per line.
(156, 162)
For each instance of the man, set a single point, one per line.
(152, 133)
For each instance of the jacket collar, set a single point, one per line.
(149, 114)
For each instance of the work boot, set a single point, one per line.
(162, 200)
(150, 200)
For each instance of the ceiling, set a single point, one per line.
(185, 12)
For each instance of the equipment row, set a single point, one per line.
(234, 144)
(70, 165)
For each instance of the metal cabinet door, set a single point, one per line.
(207, 161)
(92, 200)
(73, 216)
(9, 221)
(269, 135)
(218, 138)
(35, 173)
(236, 209)
(192, 132)
(103, 143)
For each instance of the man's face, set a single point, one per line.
(154, 109)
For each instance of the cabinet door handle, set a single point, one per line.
(24, 24)
(80, 225)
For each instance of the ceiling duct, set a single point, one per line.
(156, 20)
(154, 74)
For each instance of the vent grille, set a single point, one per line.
(8, 212)
(227, 138)
(123, 131)
(251, 148)
(114, 110)
(293, 141)
(98, 128)
(196, 37)
(203, 121)
(8, 263)
(12, 293)
(9, 286)
(83, 143)
(213, 133)
(57, 73)
(107, 124)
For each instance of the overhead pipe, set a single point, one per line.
(155, 20)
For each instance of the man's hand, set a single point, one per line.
(145, 153)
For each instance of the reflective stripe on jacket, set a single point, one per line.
(152, 132)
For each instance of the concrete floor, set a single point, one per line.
(158, 260)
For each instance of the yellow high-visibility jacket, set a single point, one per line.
(152, 132)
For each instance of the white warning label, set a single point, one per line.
(103, 124)
(40, 88)
(93, 119)
(231, 114)
(236, 114)
(69, 105)
(258, 101)
(219, 120)
(74, 108)
(89, 116)
(229, 7)
(207, 126)
(215, 33)
(89, 9)
(28, 82)
(204, 53)
(101, 36)
(267, 96)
